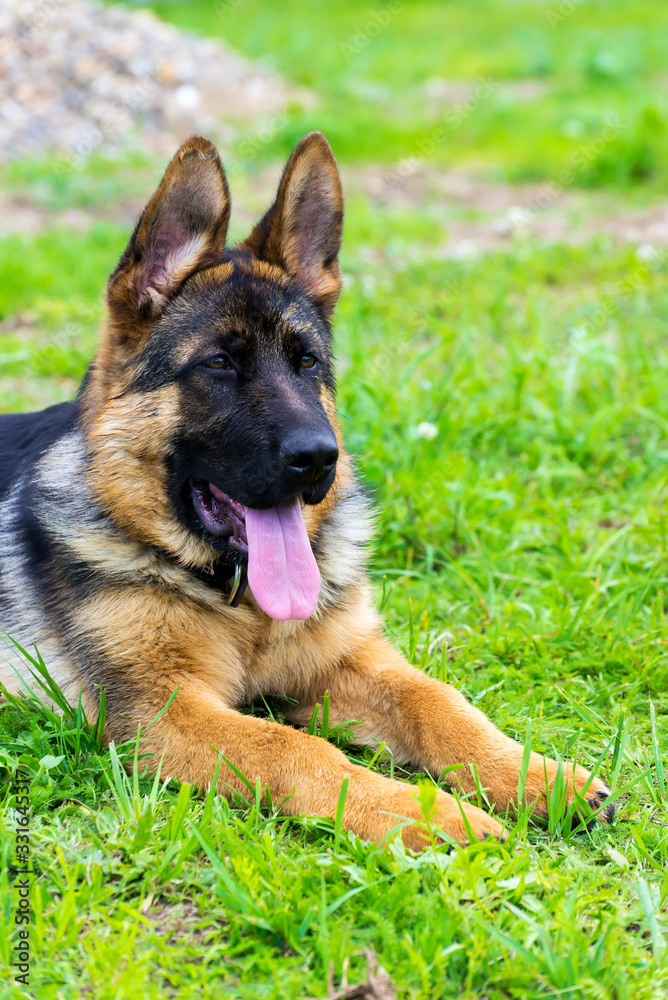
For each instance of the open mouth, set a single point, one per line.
(222, 516)
(282, 572)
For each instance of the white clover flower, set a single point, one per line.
(426, 430)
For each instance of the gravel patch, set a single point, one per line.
(76, 75)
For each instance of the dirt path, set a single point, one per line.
(482, 215)
(478, 216)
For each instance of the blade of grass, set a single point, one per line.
(340, 806)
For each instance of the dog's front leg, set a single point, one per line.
(428, 723)
(303, 773)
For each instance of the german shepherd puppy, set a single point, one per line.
(203, 453)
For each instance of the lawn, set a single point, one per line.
(550, 75)
(509, 413)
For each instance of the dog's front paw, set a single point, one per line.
(457, 826)
(595, 795)
(576, 780)
(458, 820)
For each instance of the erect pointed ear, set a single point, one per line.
(182, 230)
(301, 232)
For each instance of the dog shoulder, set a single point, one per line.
(25, 436)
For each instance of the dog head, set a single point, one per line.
(212, 391)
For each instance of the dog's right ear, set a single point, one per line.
(182, 230)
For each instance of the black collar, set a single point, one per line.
(229, 578)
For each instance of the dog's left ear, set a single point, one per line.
(301, 232)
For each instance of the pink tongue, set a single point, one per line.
(282, 571)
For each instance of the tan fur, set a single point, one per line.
(127, 471)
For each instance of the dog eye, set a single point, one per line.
(307, 361)
(218, 362)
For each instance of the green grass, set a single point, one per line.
(531, 529)
(51, 301)
(374, 87)
(100, 182)
(509, 413)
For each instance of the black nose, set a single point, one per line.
(310, 454)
